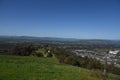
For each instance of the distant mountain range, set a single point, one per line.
(58, 39)
(38, 38)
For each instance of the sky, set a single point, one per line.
(82, 19)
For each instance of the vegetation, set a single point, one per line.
(23, 50)
(64, 56)
(41, 68)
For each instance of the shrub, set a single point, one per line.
(38, 53)
(71, 60)
(49, 55)
(61, 58)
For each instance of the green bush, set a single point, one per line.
(71, 60)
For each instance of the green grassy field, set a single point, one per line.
(40, 68)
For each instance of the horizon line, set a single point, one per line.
(56, 37)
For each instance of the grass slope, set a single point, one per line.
(35, 68)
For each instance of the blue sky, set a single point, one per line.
(83, 19)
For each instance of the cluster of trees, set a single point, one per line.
(23, 50)
(28, 49)
(85, 62)
(113, 69)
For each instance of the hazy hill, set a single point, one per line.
(38, 38)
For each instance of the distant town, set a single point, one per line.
(109, 57)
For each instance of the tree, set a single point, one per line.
(23, 50)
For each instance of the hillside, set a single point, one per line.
(35, 68)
